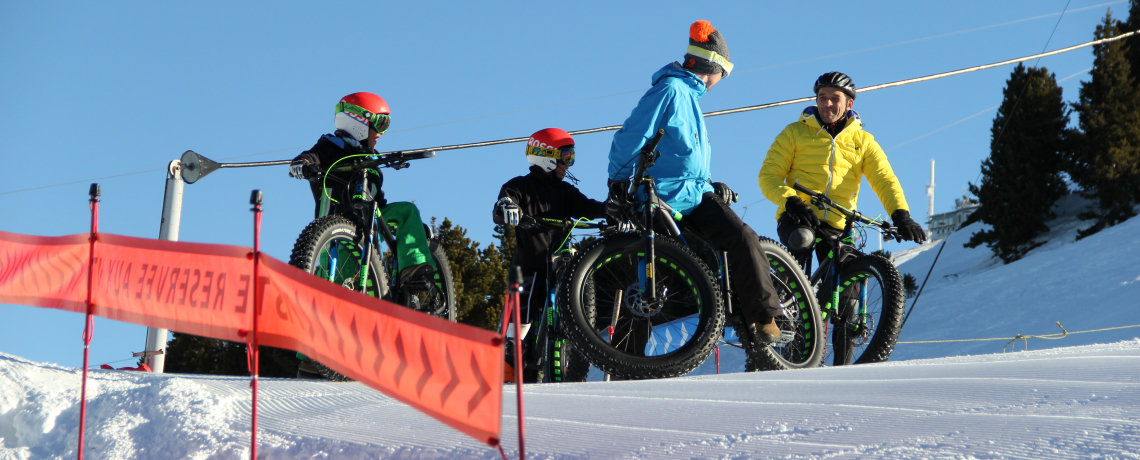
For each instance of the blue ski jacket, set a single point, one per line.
(682, 171)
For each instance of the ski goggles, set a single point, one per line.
(711, 56)
(376, 121)
(564, 155)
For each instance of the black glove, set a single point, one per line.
(725, 193)
(908, 229)
(801, 213)
(619, 191)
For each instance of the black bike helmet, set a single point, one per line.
(835, 80)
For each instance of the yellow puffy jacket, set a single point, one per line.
(805, 152)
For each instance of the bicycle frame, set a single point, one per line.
(367, 206)
(832, 267)
(652, 205)
(548, 327)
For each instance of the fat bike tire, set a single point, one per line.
(337, 240)
(874, 278)
(565, 362)
(802, 342)
(662, 341)
(329, 248)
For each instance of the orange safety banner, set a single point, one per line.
(447, 370)
(44, 271)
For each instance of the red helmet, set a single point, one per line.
(549, 147)
(357, 112)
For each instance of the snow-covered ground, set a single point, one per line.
(1059, 400)
(1065, 403)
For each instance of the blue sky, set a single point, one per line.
(116, 90)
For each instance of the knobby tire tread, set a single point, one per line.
(894, 302)
(769, 358)
(619, 364)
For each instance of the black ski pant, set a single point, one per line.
(751, 276)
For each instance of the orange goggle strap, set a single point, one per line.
(565, 155)
(376, 121)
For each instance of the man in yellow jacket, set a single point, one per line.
(826, 150)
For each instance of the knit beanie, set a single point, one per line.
(707, 52)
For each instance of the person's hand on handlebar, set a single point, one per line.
(801, 213)
(725, 193)
(297, 168)
(908, 229)
(623, 226)
(508, 211)
(618, 190)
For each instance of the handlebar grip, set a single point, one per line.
(526, 221)
(804, 190)
(652, 144)
(417, 155)
(311, 172)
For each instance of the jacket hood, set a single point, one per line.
(675, 70)
(809, 117)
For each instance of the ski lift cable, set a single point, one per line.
(719, 112)
(802, 99)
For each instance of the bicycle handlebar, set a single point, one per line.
(647, 158)
(397, 160)
(822, 202)
(526, 221)
(394, 160)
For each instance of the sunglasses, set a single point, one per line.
(377, 121)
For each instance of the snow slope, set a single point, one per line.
(1076, 402)
(1059, 400)
(1089, 284)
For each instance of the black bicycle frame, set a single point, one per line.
(833, 266)
(641, 179)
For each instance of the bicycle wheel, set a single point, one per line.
(330, 248)
(801, 343)
(566, 363)
(668, 338)
(439, 299)
(869, 319)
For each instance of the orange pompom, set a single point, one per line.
(701, 30)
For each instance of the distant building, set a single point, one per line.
(942, 225)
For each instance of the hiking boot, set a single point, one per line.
(417, 277)
(305, 370)
(765, 331)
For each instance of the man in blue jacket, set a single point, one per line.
(682, 172)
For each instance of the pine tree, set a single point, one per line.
(1107, 162)
(1022, 178)
(190, 354)
(1133, 42)
(479, 274)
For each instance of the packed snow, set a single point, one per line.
(1075, 397)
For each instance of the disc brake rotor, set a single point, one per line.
(641, 307)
